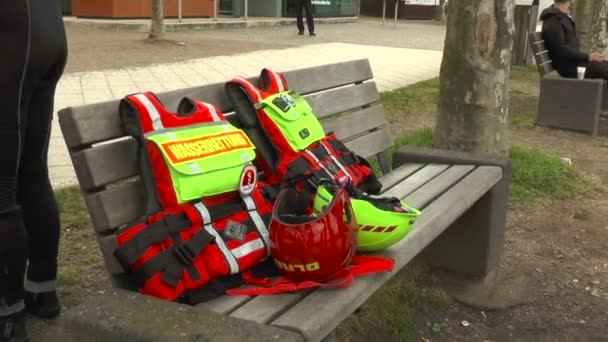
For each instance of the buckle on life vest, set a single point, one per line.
(184, 254)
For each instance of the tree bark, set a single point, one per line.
(473, 106)
(591, 18)
(157, 28)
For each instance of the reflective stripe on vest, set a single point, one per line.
(152, 111)
(155, 111)
(206, 218)
(257, 220)
(231, 255)
(336, 161)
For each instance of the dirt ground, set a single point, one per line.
(552, 282)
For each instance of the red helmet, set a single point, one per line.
(312, 247)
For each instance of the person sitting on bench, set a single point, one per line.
(559, 34)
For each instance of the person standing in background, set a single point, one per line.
(305, 5)
(31, 64)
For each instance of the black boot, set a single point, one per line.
(12, 328)
(42, 304)
(13, 255)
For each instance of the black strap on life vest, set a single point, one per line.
(180, 255)
(218, 286)
(170, 226)
(302, 165)
(174, 260)
(131, 124)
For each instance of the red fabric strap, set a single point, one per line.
(363, 264)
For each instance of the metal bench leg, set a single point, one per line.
(473, 244)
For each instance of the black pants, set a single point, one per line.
(307, 6)
(596, 70)
(31, 62)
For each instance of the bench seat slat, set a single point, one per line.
(224, 304)
(315, 324)
(397, 175)
(264, 309)
(416, 180)
(431, 190)
(355, 123)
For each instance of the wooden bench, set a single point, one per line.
(568, 103)
(462, 197)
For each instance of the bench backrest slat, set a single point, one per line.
(106, 163)
(540, 52)
(93, 123)
(357, 123)
(339, 100)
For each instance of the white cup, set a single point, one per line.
(581, 72)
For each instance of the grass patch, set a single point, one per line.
(81, 267)
(72, 208)
(526, 119)
(524, 73)
(535, 173)
(417, 98)
(420, 138)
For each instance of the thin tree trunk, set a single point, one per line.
(473, 107)
(157, 28)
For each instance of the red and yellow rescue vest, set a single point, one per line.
(326, 157)
(180, 247)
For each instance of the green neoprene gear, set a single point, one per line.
(382, 221)
(294, 117)
(204, 160)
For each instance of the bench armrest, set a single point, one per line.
(424, 155)
(474, 243)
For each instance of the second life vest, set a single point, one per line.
(206, 218)
(290, 141)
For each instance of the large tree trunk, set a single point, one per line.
(591, 18)
(473, 104)
(157, 28)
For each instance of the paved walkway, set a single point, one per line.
(392, 67)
